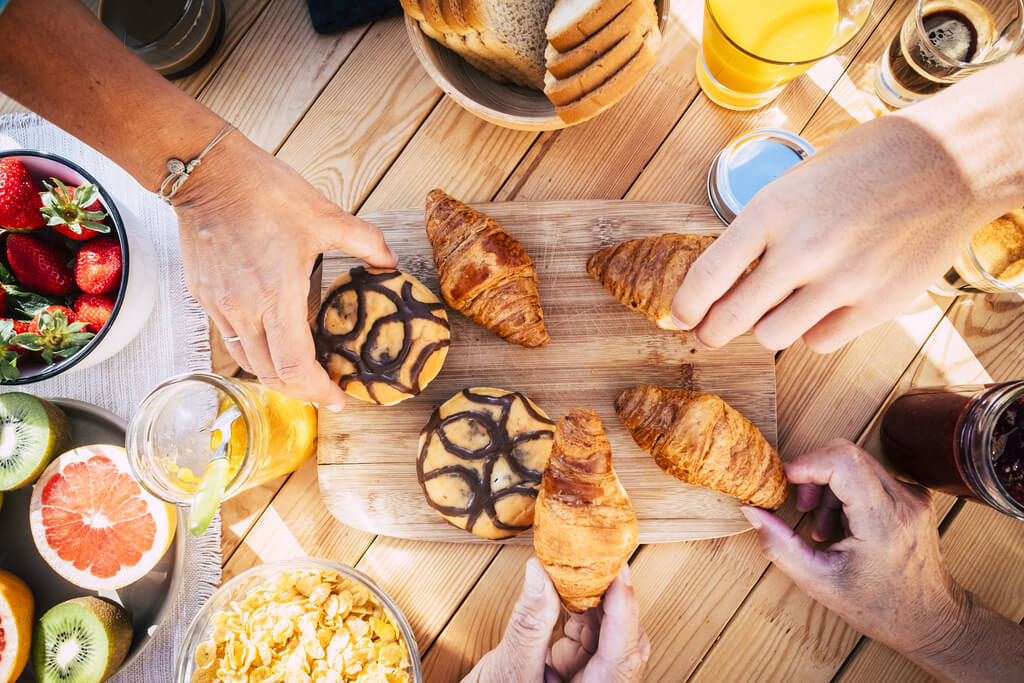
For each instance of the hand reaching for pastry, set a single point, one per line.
(603, 645)
(885, 575)
(250, 230)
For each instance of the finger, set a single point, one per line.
(808, 496)
(584, 628)
(524, 647)
(234, 348)
(360, 239)
(840, 326)
(801, 311)
(747, 302)
(294, 355)
(551, 676)
(807, 567)
(716, 271)
(826, 517)
(620, 652)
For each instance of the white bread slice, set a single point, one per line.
(564, 90)
(638, 14)
(513, 31)
(573, 21)
(616, 87)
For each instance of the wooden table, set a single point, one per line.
(358, 116)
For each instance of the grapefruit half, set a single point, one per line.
(94, 524)
(15, 626)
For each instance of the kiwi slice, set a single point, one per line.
(81, 641)
(32, 432)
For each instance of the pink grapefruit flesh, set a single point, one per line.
(94, 524)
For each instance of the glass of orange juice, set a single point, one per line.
(752, 48)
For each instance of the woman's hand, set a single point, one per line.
(603, 645)
(848, 238)
(250, 230)
(886, 576)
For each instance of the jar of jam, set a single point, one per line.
(177, 430)
(962, 440)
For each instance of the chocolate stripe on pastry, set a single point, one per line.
(474, 467)
(373, 361)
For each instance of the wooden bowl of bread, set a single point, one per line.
(536, 64)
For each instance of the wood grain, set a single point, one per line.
(367, 452)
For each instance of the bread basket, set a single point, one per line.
(503, 104)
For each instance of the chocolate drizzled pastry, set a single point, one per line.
(481, 457)
(381, 335)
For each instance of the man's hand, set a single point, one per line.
(250, 230)
(603, 645)
(885, 576)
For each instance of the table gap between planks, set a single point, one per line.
(357, 115)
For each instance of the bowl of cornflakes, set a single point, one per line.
(309, 620)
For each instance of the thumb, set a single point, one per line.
(524, 647)
(356, 237)
(808, 568)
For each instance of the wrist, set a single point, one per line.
(949, 631)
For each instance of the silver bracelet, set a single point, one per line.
(180, 170)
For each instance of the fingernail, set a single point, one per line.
(700, 345)
(534, 584)
(752, 516)
(679, 323)
(626, 575)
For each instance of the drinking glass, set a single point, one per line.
(945, 41)
(751, 48)
(993, 261)
(175, 37)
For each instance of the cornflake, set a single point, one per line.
(304, 626)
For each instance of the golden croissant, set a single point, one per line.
(700, 439)
(584, 527)
(484, 271)
(644, 274)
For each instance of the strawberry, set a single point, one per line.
(3, 300)
(61, 334)
(15, 342)
(20, 327)
(94, 309)
(39, 266)
(20, 202)
(98, 266)
(74, 212)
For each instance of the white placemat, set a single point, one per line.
(174, 340)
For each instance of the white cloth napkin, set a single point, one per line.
(174, 340)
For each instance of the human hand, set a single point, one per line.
(886, 576)
(846, 240)
(603, 645)
(250, 230)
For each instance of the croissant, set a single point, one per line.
(700, 439)
(584, 526)
(644, 274)
(484, 271)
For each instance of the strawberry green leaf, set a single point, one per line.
(26, 305)
(6, 276)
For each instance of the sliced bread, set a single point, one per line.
(637, 14)
(457, 45)
(412, 8)
(513, 30)
(615, 88)
(573, 21)
(565, 90)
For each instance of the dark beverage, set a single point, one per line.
(965, 441)
(943, 42)
(175, 37)
(949, 32)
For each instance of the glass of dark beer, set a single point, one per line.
(945, 41)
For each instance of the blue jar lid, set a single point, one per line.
(750, 162)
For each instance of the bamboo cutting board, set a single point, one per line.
(367, 453)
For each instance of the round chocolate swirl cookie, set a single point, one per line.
(381, 335)
(481, 456)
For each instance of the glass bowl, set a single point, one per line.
(201, 628)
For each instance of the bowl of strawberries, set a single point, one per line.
(64, 276)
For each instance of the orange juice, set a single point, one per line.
(752, 48)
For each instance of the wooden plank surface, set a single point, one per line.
(367, 453)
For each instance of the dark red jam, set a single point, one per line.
(920, 436)
(1008, 449)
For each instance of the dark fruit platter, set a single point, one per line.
(147, 600)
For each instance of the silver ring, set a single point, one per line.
(228, 340)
